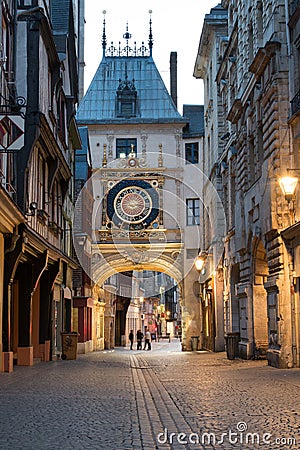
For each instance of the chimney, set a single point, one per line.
(173, 76)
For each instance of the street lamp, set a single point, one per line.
(288, 185)
(200, 260)
(32, 207)
(81, 239)
(142, 311)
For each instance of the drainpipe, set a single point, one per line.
(293, 311)
(289, 48)
(7, 345)
(291, 252)
(290, 68)
(288, 40)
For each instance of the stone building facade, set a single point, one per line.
(213, 217)
(255, 84)
(10, 215)
(41, 70)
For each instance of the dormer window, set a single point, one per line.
(126, 99)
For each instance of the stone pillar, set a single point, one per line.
(280, 351)
(84, 306)
(25, 349)
(260, 318)
(191, 324)
(46, 305)
(244, 293)
(219, 311)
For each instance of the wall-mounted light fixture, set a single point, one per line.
(32, 209)
(81, 239)
(288, 185)
(200, 260)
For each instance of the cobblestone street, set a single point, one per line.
(126, 399)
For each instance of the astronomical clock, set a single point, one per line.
(132, 202)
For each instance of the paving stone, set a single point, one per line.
(135, 400)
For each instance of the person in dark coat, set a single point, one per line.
(139, 338)
(131, 337)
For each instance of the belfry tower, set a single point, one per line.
(146, 194)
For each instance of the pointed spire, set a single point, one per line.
(150, 42)
(104, 34)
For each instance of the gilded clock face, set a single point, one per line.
(132, 204)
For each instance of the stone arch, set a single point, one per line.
(110, 265)
(109, 262)
(259, 296)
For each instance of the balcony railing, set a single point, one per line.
(295, 103)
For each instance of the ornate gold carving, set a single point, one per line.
(104, 160)
(110, 139)
(160, 156)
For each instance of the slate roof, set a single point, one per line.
(195, 115)
(154, 103)
(82, 156)
(60, 19)
(60, 13)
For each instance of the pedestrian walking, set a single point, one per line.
(131, 337)
(139, 338)
(147, 339)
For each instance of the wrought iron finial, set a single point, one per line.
(104, 34)
(150, 42)
(127, 36)
(127, 51)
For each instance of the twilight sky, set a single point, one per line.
(176, 26)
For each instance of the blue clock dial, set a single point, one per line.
(133, 203)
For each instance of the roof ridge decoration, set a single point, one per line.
(127, 51)
(126, 85)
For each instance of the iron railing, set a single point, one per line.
(295, 103)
